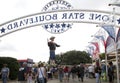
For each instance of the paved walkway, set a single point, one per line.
(86, 80)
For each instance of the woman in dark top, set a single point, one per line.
(111, 72)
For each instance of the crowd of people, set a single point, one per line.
(63, 73)
(41, 73)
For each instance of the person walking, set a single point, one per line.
(111, 72)
(60, 73)
(80, 72)
(86, 71)
(22, 73)
(74, 72)
(41, 74)
(49, 73)
(97, 73)
(35, 73)
(30, 77)
(52, 46)
(5, 73)
(91, 71)
(66, 74)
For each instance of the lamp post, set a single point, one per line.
(117, 66)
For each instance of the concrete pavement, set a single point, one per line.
(86, 80)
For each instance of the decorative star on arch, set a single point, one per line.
(46, 26)
(51, 25)
(57, 26)
(69, 25)
(3, 30)
(63, 25)
(118, 21)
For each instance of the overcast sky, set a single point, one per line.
(32, 42)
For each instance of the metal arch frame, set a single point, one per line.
(68, 10)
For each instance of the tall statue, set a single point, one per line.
(52, 46)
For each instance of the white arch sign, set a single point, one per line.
(58, 16)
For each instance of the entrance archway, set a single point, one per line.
(69, 16)
(61, 16)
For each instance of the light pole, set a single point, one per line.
(117, 66)
(116, 48)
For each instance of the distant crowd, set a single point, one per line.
(42, 74)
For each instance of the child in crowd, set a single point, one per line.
(30, 77)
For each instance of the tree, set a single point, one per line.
(74, 57)
(102, 56)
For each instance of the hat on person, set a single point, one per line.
(52, 37)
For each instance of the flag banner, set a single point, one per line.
(96, 50)
(110, 45)
(110, 30)
(118, 39)
(95, 55)
(90, 52)
(101, 37)
(91, 49)
(96, 45)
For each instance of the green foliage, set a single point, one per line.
(73, 57)
(102, 56)
(12, 64)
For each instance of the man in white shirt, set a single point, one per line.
(91, 71)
